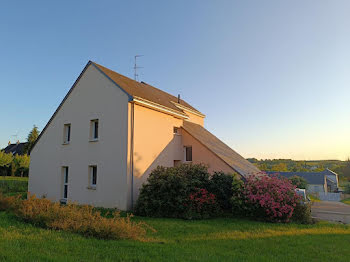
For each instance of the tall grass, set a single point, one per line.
(73, 218)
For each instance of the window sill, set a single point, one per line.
(91, 187)
(65, 143)
(93, 140)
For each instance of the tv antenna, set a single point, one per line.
(15, 135)
(136, 67)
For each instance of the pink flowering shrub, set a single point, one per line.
(201, 204)
(274, 198)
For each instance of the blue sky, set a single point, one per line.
(273, 77)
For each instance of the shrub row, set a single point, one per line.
(73, 218)
(188, 191)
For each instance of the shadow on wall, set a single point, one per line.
(172, 151)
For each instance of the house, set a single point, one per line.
(318, 182)
(110, 132)
(14, 149)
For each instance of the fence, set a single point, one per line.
(329, 196)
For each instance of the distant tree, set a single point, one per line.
(280, 167)
(5, 161)
(346, 169)
(21, 164)
(299, 182)
(32, 137)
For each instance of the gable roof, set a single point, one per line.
(143, 90)
(132, 88)
(15, 148)
(219, 148)
(314, 178)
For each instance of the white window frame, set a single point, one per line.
(185, 154)
(92, 185)
(67, 133)
(93, 122)
(65, 180)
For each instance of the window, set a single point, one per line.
(66, 136)
(188, 153)
(65, 182)
(93, 176)
(176, 130)
(94, 130)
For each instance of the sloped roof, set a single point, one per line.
(219, 148)
(144, 90)
(15, 148)
(314, 178)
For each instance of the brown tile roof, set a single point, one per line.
(223, 151)
(143, 90)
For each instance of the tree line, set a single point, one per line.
(18, 165)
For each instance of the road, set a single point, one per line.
(331, 211)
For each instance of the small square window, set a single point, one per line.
(94, 130)
(93, 176)
(176, 130)
(188, 153)
(66, 133)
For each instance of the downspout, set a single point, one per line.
(132, 155)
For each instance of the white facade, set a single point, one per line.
(93, 97)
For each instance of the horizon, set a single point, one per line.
(272, 78)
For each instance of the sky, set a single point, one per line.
(272, 77)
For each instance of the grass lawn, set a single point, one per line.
(346, 201)
(13, 185)
(223, 239)
(13, 178)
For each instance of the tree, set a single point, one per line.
(299, 182)
(32, 137)
(280, 167)
(21, 164)
(5, 161)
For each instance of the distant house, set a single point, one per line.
(110, 132)
(325, 181)
(14, 149)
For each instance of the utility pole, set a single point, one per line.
(136, 67)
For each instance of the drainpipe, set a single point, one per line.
(132, 155)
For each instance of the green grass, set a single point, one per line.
(346, 201)
(13, 185)
(223, 239)
(13, 178)
(314, 198)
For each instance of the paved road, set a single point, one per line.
(331, 211)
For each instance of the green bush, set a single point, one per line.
(302, 214)
(167, 190)
(221, 186)
(168, 193)
(299, 182)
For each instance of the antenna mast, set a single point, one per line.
(136, 67)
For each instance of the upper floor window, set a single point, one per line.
(66, 133)
(188, 153)
(94, 130)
